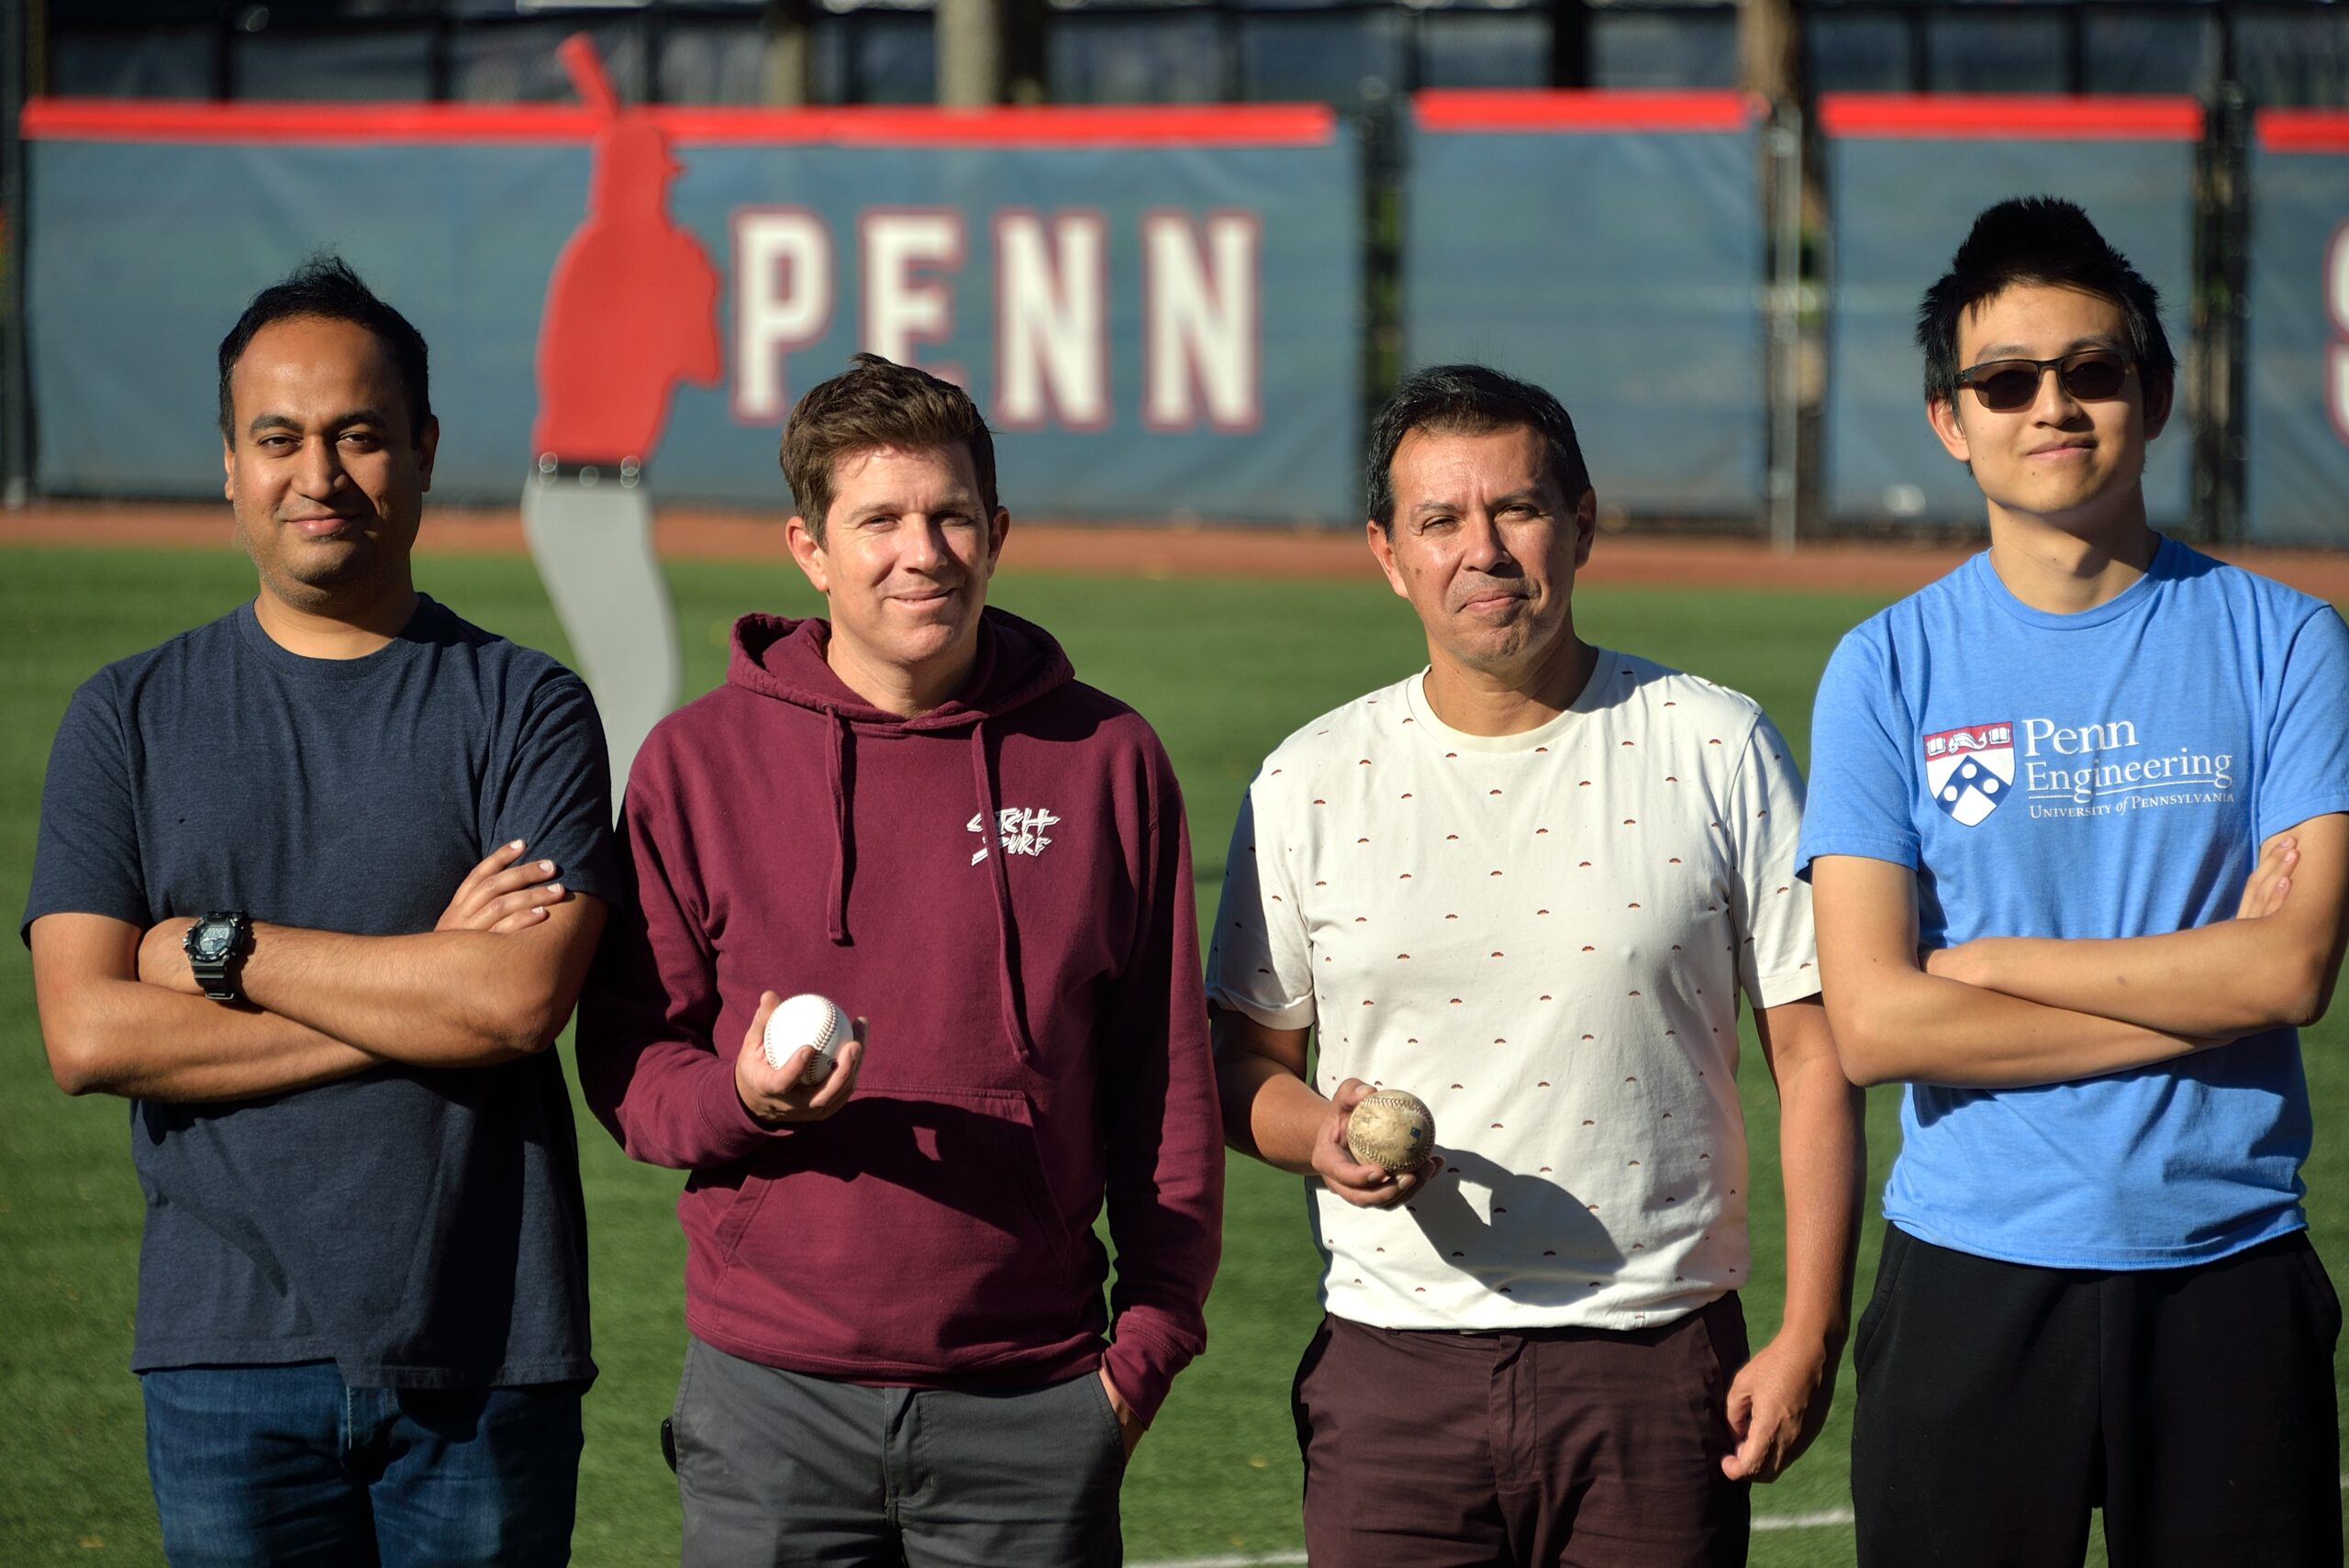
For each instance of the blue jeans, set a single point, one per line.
(290, 1465)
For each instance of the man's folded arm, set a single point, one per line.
(2256, 972)
(446, 998)
(1895, 1023)
(107, 1032)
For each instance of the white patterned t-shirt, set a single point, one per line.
(1544, 936)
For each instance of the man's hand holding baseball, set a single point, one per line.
(1365, 1186)
(774, 1095)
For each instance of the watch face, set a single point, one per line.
(213, 941)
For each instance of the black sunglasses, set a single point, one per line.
(2089, 375)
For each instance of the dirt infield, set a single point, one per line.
(687, 533)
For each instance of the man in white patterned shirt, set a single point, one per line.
(1529, 885)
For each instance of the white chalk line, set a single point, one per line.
(1822, 1518)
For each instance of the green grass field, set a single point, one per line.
(1223, 669)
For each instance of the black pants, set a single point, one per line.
(1999, 1404)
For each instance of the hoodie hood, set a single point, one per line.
(784, 659)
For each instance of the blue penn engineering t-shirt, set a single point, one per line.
(2110, 774)
(421, 1228)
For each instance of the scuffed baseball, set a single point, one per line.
(811, 1020)
(1392, 1130)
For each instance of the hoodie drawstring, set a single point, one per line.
(1015, 1023)
(839, 828)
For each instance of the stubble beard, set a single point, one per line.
(1496, 647)
(322, 580)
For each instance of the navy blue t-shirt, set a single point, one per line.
(421, 1228)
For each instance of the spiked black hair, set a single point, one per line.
(2049, 242)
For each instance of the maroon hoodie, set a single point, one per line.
(1037, 1039)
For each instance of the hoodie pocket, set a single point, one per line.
(741, 1209)
(913, 1230)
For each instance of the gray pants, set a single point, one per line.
(777, 1467)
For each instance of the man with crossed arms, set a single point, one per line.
(362, 1311)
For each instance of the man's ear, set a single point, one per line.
(998, 529)
(2159, 402)
(1586, 526)
(801, 540)
(1942, 414)
(428, 446)
(1382, 549)
(227, 472)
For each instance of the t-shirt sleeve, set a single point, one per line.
(1260, 960)
(2308, 739)
(558, 798)
(86, 859)
(1859, 764)
(1778, 957)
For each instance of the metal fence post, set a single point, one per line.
(2217, 318)
(1383, 123)
(1784, 139)
(16, 402)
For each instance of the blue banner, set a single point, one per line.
(2296, 413)
(1159, 312)
(1905, 178)
(1609, 247)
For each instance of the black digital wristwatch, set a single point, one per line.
(215, 946)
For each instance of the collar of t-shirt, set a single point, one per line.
(2168, 558)
(1597, 692)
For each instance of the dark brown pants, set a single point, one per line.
(1563, 1448)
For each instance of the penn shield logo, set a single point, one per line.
(1971, 770)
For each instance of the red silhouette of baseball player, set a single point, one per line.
(631, 310)
(632, 304)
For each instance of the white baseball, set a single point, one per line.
(807, 1020)
(1391, 1129)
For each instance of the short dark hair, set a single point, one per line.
(324, 287)
(1468, 400)
(2047, 242)
(877, 403)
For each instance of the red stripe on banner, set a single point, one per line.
(1072, 124)
(1471, 109)
(92, 119)
(2302, 131)
(1981, 116)
(108, 119)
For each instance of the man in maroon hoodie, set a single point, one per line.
(899, 1351)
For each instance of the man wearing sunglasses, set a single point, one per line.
(2100, 780)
